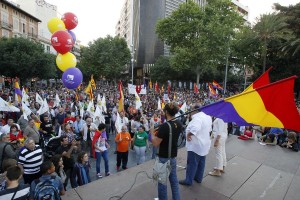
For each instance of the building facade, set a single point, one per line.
(16, 22)
(44, 11)
(137, 25)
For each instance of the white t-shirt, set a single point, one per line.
(220, 128)
(101, 144)
(200, 127)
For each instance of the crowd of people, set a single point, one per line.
(25, 140)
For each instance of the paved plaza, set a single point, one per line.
(253, 172)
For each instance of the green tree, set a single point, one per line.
(291, 17)
(105, 57)
(25, 59)
(198, 36)
(269, 27)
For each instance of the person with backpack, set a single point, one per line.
(48, 186)
(6, 149)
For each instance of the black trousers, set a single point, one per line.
(28, 178)
(122, 157)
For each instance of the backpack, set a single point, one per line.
(45, 190)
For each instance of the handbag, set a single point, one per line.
(161, 171)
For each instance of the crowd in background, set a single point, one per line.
(25, 140)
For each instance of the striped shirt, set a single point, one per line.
(31, 160)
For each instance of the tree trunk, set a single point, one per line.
(198, 75)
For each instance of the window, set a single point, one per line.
(24, 28)
(16, 24)
(4, 17)
(48, 48)
(5, 33)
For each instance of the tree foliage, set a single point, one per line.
(198, 36)
(291, 16)
(25, 59)
(105, 57)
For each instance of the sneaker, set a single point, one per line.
(107, 174)
(118, 168)
(124, 168)
(214, 173)
(99, 175)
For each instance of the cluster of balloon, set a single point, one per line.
(63, 40)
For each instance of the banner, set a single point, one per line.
(132, 89)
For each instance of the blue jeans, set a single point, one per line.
(162, 189)
(154, 152)
(104, 155)
(195, 167)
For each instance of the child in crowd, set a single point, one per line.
(14, 189)
(291, 142)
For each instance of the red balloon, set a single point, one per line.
(62, 41)
(70, 20)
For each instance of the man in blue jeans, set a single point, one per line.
(161, 139)
(198, 145)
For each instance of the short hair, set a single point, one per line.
(2, 136)
(63, 137)
(142, 127)
(13, 173)
(45, 166)
(101, 126)
(28, 140)
(55, 159)
(172, 108)
(7, 163)
(80, 156)
(292, 136)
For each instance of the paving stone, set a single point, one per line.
(266, 183)
(238, 170)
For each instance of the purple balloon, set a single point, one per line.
(73, 35)
(72, 78)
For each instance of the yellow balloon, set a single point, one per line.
(66, 61)
(56, 24)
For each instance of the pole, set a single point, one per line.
(226, 70)
(245, 81)
(132, 37)
(132, 62)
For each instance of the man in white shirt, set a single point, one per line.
(198, 145)
(220, 134)
(88, 132)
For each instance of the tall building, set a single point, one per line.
(137, 25)
(16, 22)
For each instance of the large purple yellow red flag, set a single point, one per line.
(264, 79)
(18, 92)
(270, 105)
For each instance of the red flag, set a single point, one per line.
(196, 90)
(156, 87)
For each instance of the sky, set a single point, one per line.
(98, 18)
